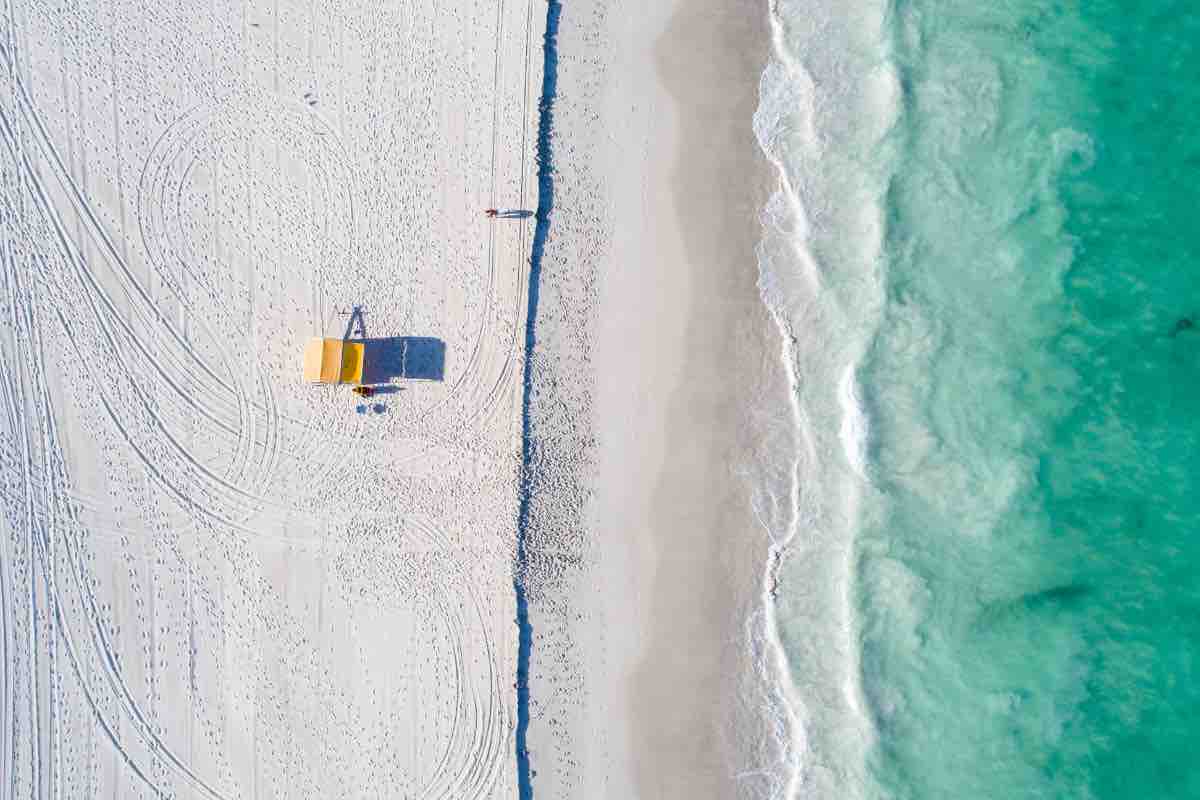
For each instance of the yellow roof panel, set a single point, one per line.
(352, 362)
(333, 361)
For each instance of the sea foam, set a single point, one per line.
(828, 98)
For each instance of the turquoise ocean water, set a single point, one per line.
(1019, 558)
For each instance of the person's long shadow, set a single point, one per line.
(420, 358)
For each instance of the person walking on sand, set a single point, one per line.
(511, 213)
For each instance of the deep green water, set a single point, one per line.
(1028, 574)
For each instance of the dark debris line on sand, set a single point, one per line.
(541, 231)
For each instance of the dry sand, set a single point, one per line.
(218, 581)
(658, 183)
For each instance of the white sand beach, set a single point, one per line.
(219, 581)
(651, 264)
(223, 582)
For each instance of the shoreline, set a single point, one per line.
(710, 553)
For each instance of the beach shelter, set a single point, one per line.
(333, 361)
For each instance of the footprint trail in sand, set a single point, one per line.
(218, 581)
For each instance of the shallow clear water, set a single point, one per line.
(1020, 592)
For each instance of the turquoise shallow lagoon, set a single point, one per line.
(1025, 576)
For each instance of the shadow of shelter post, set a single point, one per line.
(409, 357)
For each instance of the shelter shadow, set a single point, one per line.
(412, 357)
